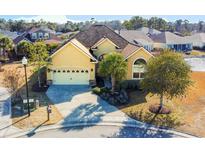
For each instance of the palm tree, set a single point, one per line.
(113, 65)
(6, 45)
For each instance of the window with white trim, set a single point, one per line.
(138, 68)
(46, 36)
(40, 35)
(34, 36)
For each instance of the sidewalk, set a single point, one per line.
(5, 114)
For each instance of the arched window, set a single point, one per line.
(140, 62)
(138, 68)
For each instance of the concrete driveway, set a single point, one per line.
(63, 93)
(78, 105)
(85, 113)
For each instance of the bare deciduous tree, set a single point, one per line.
(13, 80)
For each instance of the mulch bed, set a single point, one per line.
(36, 88)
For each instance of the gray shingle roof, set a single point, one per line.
(9, 34)
(197, 37)
(169, 38)
(35, 29)
(136, 37)
(147, 30)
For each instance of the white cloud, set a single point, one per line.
(51, 18)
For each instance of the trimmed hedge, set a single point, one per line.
(130, 84)
(198, 48)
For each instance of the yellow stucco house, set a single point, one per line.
(76, 61)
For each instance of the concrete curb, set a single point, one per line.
(87, 124)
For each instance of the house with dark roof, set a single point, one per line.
(75, 62)
(34, 34)
(197, 39)
(168, 40)
(138, 38)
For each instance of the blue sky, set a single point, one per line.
(63, 18)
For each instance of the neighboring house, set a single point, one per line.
(76, 61)
(148, 31)
(171, 41)
(9, 34)
(198, 40)
(34, 34)
(137, 37)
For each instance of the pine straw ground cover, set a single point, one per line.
(39, 116)
(188, 113)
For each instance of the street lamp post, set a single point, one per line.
(25, 62)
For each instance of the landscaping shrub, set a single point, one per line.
(130, 84)
(96, 91)
(105, 90)
(198, 48)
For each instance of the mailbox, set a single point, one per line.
(49, 109)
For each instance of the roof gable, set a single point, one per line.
(102, 41)
(79, 46)
(135, 50)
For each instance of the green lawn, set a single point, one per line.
(1, 35)
(197, 53)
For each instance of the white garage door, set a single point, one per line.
(71, 77)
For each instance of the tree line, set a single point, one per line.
(181, 26)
